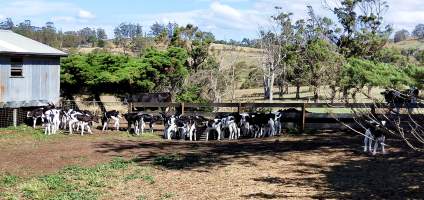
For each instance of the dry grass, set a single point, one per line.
(408, 44)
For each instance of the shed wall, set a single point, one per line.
(40, 83)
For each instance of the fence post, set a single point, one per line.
(238, 107)
(182, 108)
(303, 117)
(15, 117)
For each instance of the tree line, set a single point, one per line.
(346, 56)
(417, 33)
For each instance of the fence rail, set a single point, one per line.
(9, 117)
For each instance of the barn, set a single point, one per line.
(29, 73)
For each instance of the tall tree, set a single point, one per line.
(419, 31)
(7, 24)
(401, 35)
(196, 42)
(363, 33)
(157, 29)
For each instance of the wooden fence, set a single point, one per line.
(301, 118)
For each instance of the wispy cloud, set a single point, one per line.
(84, 14)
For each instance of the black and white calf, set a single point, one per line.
(133, 120)
(263, 124)
(52, 121)
(170, 126)
(38, 113)
(82, 119)
(148, 119)
(374, 132)
(111, 115)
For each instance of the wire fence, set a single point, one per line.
(95, 107)
(6, 116)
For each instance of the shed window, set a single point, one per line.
(16, 68)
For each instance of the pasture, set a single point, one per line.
(116, 165)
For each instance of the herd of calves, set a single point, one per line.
(232, 126)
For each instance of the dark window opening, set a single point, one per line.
(16, 68)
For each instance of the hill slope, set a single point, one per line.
(408, 44)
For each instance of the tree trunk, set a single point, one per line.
(233, 84)
(287, 88)
(271, 87)
(369, 90)
(266, 88)
(333, 93)
(316, 94)
(280, 90)
(346, 95)
(297, 90)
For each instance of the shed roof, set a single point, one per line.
(13, 43)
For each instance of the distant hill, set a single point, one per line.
(408, 44)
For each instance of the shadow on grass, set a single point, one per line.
(192, 155)
(400, 176)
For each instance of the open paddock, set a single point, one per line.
(316, 165)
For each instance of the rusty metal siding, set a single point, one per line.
(4, 76)
(40, 84)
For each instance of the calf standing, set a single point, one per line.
(114, 115)
(375, 131)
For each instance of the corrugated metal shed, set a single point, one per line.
(12, 43)
(40, 80)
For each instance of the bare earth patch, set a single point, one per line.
(327, 165)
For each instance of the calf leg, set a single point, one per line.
(137, 128)
(89, 129)
(375, 146)
(105, 125)
(143, 125)
(366, 138)
(116, 124)
(207, 134)
(218, 130)
(82, 124)
(34, 122)
(151, 127)
(383, 139)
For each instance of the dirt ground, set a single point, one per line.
(326, 165)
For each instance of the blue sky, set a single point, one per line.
(227, 19)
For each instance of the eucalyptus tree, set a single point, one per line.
(275, 45)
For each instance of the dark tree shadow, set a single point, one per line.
(191, 155)
(261, 195)
(398, 176)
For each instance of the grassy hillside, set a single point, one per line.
(408, 44)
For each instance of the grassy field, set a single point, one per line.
(408, 44)
(120, 166)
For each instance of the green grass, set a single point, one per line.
(8, 180)
(24, 131)
(167, 195)
(74, 182)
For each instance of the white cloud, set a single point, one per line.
(2, 17)
(63, 19)
(221, 19)
(225, 11)
(84, 14)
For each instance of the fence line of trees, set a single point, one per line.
(347, 56)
